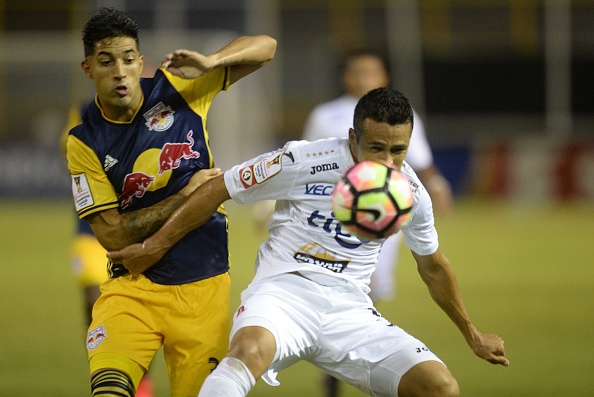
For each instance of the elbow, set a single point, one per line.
(111, 241)
(269, 45)
(111, 237)
(432, 267)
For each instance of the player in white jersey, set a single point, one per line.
(309, 299)
(362, 71)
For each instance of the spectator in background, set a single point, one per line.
(362, 71)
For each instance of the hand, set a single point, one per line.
(199, 178)
(136, 257)
(187, 64)
(489, 347)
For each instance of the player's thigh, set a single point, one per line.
(288, 306)
(429, 378)
(368, 352)
(196, 333)
(125, 320)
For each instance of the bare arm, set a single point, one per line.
(114, 230)
(438, 275)
(245, 55)
(194, 212)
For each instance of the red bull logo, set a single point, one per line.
(95, 337)
(172, 154)
(240, 310)
(159, 118)
(135, 185)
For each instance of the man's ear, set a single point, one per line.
(141, 61)
(86, 69)
(353, 144)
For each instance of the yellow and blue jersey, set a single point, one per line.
(133, 165)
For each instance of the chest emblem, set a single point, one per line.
(135, 185)
(159, 118)
(172, 154)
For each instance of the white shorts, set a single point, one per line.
(333, 325)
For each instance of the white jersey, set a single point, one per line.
(333, 119)
(304, 234)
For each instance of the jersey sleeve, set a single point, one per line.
(420, 234)
(201, 91)
(91, 189)
(271, 176)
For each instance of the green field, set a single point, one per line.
(526, 273)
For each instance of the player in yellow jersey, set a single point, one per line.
(88, 258)
(141, 149)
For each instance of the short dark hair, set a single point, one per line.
(384, 105)
(107, 23)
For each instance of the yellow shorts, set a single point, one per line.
(134, 317)
(89, 261)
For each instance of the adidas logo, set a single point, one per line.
(109, 162)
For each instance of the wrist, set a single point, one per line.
(471, 335)
(155, 245)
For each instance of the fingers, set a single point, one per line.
(498, 355)
(499, 359)
(114, 256)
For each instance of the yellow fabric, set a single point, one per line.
(83, 161)
(89, 261)
(195, 317)
(200, 92)
(117, 361)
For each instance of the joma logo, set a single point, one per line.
(323, 167)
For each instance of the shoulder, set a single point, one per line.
(314, 151)
(418, 190)
(215, 80)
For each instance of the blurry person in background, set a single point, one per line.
(141, 149)
(362, 71)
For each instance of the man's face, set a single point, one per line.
(364, 74)
(381, 142)
(115, 68)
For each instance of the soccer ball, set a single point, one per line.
(372, 200)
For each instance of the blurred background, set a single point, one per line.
(505, 87)
(506, 90)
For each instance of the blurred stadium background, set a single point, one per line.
(507, 94)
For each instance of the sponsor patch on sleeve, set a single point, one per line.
(260, 171)
(81, 192)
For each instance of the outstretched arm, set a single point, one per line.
(194, 212)
(438, 275)
(245, 55)
(114, 230)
